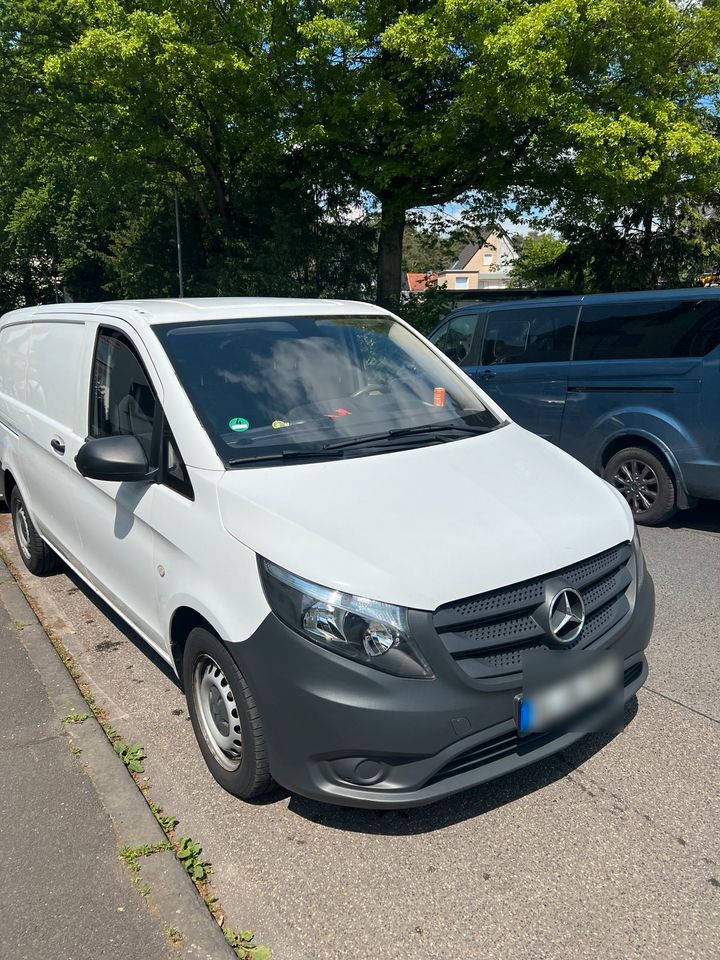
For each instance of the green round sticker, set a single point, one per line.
(238, 424)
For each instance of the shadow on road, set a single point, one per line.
(125, 629)
(705, 517)
(461, 806)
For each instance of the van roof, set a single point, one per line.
(201, 309)
(588, 298)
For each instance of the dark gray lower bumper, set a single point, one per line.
(344, 733)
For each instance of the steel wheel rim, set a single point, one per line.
(638, 483)
(217, 711)
(22, 530)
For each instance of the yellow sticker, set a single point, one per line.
(277, 424)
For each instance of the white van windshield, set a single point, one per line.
(319, 387)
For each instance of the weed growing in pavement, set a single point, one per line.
(75, 717)
(242, 943)
(144, 889)
(174, 935)
(189, 854)
(75, 751)
(166, 820)
(130, 754)
(130, 856)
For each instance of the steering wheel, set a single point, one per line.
(368, 388)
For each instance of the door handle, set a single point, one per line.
(58, 445)
(488, 374)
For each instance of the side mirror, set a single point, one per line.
(114, 458)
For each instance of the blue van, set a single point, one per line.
(629, 384)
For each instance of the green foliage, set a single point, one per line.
(131, 755)
(189, 853)
(242, 942)
(427, 250)
(75, 717)
(424, 310)
(130, 856)
(166, 820)
(282, 124)
(538, 262)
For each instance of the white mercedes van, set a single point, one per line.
(347, 552)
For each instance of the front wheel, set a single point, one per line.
(645, 482)
(225, 717)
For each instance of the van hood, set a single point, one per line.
(427, 526)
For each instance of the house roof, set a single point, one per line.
(470, 249)
(417, 282)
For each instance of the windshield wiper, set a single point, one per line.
(400, 433)
(317, 453)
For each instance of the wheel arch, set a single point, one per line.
(183, 621)
(9, 482)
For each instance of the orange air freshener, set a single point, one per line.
(439, 396)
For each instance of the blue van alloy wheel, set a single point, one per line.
(645, 482)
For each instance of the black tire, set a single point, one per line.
(645, 482)
(210, 672)
(37, 556)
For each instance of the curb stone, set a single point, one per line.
(172, 897)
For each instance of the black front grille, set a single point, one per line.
(509, 744)
(487, 635)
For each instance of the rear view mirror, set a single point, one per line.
(114, 458)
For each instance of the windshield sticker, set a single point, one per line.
(439, 396)
(239, 424)
(278, 424)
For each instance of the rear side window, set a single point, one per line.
(648, 330)
(529, 335)
(123, 402)
(456, 337)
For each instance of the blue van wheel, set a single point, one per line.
(645, 482)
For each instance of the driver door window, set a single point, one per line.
(456, 337)
(123, 403)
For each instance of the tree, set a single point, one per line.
(106, 107)
(421, 102)
(537, 263)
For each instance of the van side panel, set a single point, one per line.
(14, 350)
(638, 372)
(655, 399)
(54, 372)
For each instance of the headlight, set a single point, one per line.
(368, 631)
(639, 559)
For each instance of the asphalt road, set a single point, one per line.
(608, 850)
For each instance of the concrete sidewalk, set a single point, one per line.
(63, 892)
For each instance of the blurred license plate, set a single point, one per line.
(545, 707)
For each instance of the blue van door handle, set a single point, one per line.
(488, 374)
(58, 445)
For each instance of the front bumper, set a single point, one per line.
(343, 733)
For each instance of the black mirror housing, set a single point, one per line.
(114, 458)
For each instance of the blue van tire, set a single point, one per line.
(37, 556)
(646, 483)
(225, 717)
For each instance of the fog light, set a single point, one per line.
(378, 638)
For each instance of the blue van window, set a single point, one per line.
(529, 334)
(641, 330)
(456, 337)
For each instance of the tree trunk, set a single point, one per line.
(392, 229)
